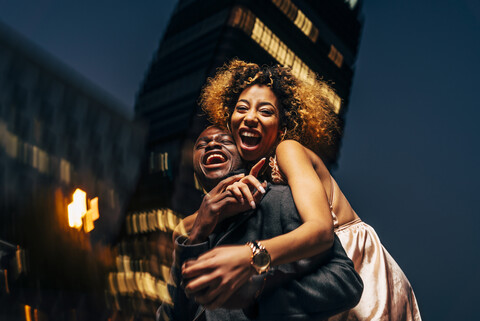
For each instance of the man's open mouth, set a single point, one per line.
(250, 139)
(214, 158)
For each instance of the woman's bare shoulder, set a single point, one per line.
(289, 147)
(292, 151)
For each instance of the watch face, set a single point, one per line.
(261, 260)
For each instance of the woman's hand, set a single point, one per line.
(248, 191)
(214, 276)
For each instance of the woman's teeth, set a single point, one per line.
(250, 139)
(247, 134)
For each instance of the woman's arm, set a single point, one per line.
(315, 235)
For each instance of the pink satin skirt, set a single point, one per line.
(387, 294)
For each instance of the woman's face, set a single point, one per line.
(255, 122)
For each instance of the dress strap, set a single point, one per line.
(330, 202)
(277, 176)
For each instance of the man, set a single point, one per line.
(305, 290)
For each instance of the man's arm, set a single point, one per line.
(215, 203)
(180, 308)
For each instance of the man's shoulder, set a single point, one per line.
(278, 198)
(276, 190)
(278, 195)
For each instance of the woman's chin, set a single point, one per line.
(251, 155)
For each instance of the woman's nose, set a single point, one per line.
(251, 118)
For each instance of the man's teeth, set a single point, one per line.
(248, 134)
(212, 156)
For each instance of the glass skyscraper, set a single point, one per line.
(312, 37)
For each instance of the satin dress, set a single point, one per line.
(387, 293)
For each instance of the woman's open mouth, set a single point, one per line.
(250, 139)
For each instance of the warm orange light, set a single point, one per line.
(28, 313)
(77, 210)
(91, 215)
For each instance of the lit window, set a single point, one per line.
(298, 18)
(164, 220)
(303, 71)
(296, 65)
(34, 156)
(266, 37)
(43, 161)
(262, 35)
(257, 32)
(65, 170)
(334, 100)
(282, 52)
(30, 154)
(11, 145)
(274, 46)
(335, 56)
(158, 162)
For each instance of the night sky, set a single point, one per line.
(411, 147)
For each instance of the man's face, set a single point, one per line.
(214, 156)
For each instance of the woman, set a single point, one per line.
(272, 114)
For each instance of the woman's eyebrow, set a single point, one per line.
(243, 100)
(263, 103)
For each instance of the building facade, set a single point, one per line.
(58, 133)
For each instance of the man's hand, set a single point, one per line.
(212, 204)
(213, 277)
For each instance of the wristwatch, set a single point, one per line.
(260, 258)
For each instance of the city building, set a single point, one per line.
(59, 134)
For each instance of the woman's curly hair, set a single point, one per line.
(305, 111)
